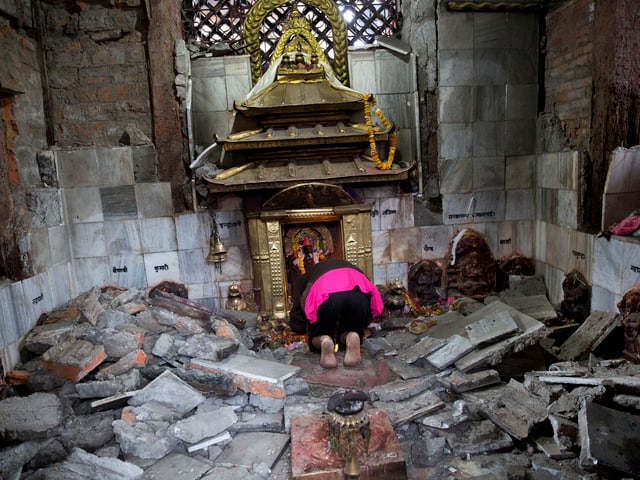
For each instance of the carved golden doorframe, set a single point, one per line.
(267, 246)
(261, 9)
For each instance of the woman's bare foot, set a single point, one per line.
(352, 356)
(327, 355)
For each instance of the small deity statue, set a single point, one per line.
(424, 279)
(234, 298)
(471, 270)
(629, 307)
(576, 305)
(393, 298)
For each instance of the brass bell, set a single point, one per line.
(217, 251)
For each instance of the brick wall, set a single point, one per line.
(97, 71)
(569, 68)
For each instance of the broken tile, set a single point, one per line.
(491, 329)
(456, 346)
(177, 466)
(72, 359)
(479, 437)
(536, 306)
(199, 426)
(423, 347)
(589, 335)
(414, 407)
(247, 449)
(171, 391)
(463, 382)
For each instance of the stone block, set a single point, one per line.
(73, 359)
(27, 418)
(253, 375)
(248, 449)
(199, 426)
(169, 390)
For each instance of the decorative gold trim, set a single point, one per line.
(262, 8)
(471, 5)
(295, 28)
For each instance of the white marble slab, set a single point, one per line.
(161, 267)
(158, 235)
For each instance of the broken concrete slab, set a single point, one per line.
(401, 389)
(31, 417)
(479, 437)
(407, 371)
(531, 331)
(609, 437)
(251, 374)
(491, 329)
(72, 358)
(250, 448)
(81, 465)
(456, 346)
(171, 391)
(143, 439)
(177, 466)
(199, 426)
(589, 335)
(207, 346)
(536, 306)
(412, 408)
(422, 347)
(514, 409)
(447, 417)
(463, 382)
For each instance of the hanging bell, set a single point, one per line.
(217, 251)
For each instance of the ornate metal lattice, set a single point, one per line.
(217, 24)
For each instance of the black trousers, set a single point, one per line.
(340, 313)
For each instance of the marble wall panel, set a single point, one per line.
(553, 278)
(87, 240)
(520, 137)
(520, 205)
(232, 227)
(456, 68)
(198, 291)
(581, 259)
(490, 30)
(12, 312)
(540, 230)
(394, 72)
(193, 230)
(230, 202)
(488, 173)
(608, 263)
(118, 202)
(237, 77)
(63, 286)
(398, 270)
(558, 250)
(456, 104)
(567, 208)
(548, 172)
(604, 300)
(489, 206)
(128, 271)
(489, 66)
(397, 108)
(39, 249)
(194, 266)
(82, 204)
(207, 124)
(489, 103)
(406, 244)
(77, 168)
(630, 264)
(523, 31)
(362, 68)
(455, 140)
(457, 209)
(376, 214)
(520, 102)
(381, 246)
(39, 299)
(154, 199)
(209, 93)
(158, 235)
(519, 172)
(456, 175)
(435, 241)
(522, 66)
(396, 212)
(116, 166)
(456, 30)
(237, 266)
(90, 272)
(123, 237)
(163, 266)
(488, 139)
(406, 146)
(59, 243)
(547, 205)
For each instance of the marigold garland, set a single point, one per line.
(370, 101)
(418, 309)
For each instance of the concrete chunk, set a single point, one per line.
(208, 347)
(73, 359)
(247, 449)
(591, 333)
(203, 425)
(27, 418)
(424, 346)
(171, 391)
(463, 382)
(177, 466)
(456, 347)
(253, 375)
(401, 389)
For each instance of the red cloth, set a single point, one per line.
(340, 280)
(626, 226)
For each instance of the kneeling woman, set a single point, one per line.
(333, 302)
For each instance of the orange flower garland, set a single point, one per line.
(369, 101)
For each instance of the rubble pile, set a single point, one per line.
(132, 384)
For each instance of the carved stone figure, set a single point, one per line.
(629, 307)
(576, 304)
(425, 277)
(471, 269)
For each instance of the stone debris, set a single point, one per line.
(121, 384)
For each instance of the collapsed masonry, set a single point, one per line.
(128, 384)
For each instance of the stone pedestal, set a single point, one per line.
(312, 459)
